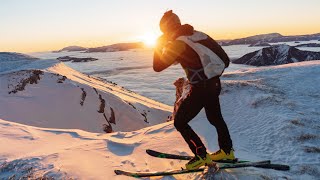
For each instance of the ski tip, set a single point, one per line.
(149, 151)
(118, 172)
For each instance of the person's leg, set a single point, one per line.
(187, 110)
(213, 112)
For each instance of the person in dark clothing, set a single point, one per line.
(203, 60)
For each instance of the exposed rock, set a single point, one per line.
(144, 114)
(276, 55)
(34, 77)
(74, 59)
(83, 96)
(112, 118)
(107, 128)
(102, 104)
(60, 80)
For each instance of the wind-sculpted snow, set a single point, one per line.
(272, 114)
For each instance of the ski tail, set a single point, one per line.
(279, 167)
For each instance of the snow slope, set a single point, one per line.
(272, 113)
(59, 97)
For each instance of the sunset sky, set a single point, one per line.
(42, 25)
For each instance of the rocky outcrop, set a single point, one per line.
(74, 59)
(32, 77)
(276, 55)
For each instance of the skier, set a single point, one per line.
(203, 61)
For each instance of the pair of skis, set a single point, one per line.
(227, 164)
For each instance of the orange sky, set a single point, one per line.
(43, 25)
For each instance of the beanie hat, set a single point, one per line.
(169, 21)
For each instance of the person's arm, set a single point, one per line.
(166, 53)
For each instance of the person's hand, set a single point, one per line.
(162, 41)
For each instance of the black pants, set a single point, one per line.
(202, 95)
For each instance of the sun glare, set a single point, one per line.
(149, 39)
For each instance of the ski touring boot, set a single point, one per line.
(222, 155)
(198, 161)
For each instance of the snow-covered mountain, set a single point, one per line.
(11, 60)
(270, 38)
(56, 96)
(277, 54)
(71, 48)
(272, 113)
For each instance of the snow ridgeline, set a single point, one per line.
(271, 113)
(57, 96)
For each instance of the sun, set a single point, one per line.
(149, 39)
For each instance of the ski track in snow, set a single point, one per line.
(272, 113)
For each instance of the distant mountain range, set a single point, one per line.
(257, 40)
(276, 55)
(269, 38)
(109, 48)
(117, 47)
(71, 48)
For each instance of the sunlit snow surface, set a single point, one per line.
(272, 113)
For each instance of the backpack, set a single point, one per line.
(212, 64)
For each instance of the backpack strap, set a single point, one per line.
(196, 75)
(212, 64)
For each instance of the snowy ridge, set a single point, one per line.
(9, 60)
(276, 55)
(272, 113)
(60, 97)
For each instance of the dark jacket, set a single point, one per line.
(170, 51)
